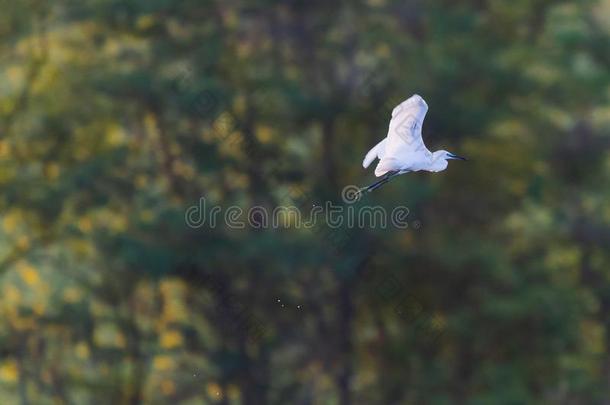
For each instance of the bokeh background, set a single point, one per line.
(117, 116)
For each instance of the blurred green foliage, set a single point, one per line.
(117, 116)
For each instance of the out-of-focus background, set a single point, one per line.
(117, 116)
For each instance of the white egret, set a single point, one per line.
(403, 150)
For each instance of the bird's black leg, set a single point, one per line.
(387, 177)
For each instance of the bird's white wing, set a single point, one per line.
(378, 151)
(404, 140)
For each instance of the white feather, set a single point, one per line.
(403, 149)
(376, 152)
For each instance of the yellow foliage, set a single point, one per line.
(264, 133)
(237, 180)
(5, 149)
(98, 308)
(46, 80)
(115, 135)
(214, 390)
(168, 387)
(23, 242)
(223, 126)
(150, 123)
(85, 224)
(244, 49)
(141, 181)
(28, 273)
(46, 377)
(145, 21)
(592, 335)
(11, 220)
(231, 145)
(39, 308)
(184, 169)
(119, 340)
(72, 295)
(172, 286)
(81, 247)
(82, 350)
(25, 323)
(231, 18)
(109, 336)
(11, 295)
(173, 291)
(438, 321)
(147, 215)
(178, 30)
(9, 371)
(163, 363)
(171, 339)
(14, 74)
(383, 50)
(52, 171)
(114, 221)
(233, 393)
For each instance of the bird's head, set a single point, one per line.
(440, 160)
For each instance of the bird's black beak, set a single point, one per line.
(452, 156)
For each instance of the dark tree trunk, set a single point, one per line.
(346, 316)
(328, 161)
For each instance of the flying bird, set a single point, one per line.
(403, 150)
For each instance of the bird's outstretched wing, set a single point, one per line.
(404, 140)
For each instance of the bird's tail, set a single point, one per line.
(387, 165)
